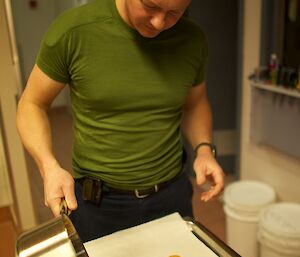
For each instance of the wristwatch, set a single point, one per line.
(212, 147)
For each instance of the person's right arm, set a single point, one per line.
(34, 129)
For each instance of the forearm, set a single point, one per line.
(34, 129)
(197, 122)
(197, 127)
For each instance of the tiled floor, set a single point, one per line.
(209, 214)
(8, 234)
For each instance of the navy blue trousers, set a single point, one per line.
(118, 211)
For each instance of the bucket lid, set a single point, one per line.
(281, 220)
(248, 195)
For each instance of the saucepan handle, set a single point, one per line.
(64, 207)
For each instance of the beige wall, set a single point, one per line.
(29, 35)
(259, 162)
(9, 89)
(5, 187)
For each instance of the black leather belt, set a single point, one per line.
(138, 193)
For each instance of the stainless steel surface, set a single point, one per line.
(210, 240)
(56, 237)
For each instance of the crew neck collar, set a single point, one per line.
(124, 27)
(132, 33)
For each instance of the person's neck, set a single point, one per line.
(121, 8)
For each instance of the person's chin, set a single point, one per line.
(149, 33)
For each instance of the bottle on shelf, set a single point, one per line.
(273, 68)
(298, 84)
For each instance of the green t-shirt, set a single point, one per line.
(127, 92)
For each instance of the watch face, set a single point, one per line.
(214, 151)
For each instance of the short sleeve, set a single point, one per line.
(53, 54)
(201, 73)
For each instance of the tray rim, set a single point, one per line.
(209, 239)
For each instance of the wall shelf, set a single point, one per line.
(277, 89)
(275, 117)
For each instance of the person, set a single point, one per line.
(136, 73)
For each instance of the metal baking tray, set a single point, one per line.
(209, 239)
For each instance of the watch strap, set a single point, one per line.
(210, 145)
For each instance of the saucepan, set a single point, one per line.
(57, 237)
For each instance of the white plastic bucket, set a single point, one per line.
(279, 230)
(243, 202)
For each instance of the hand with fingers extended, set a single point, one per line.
(58, 184)
(208, 170)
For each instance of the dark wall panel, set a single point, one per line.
(219, 20)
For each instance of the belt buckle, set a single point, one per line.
(141, 196)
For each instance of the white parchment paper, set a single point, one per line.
(163, 237)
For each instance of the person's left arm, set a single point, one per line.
(197, 128)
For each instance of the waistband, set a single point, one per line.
(138, 193)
